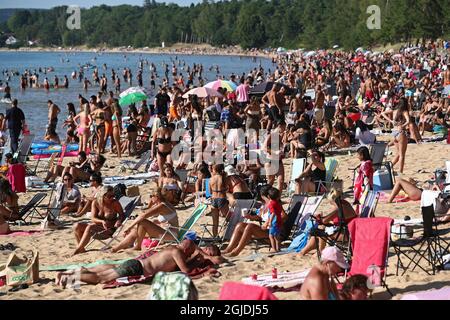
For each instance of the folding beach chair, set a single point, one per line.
(377, 154)
(30, 209)
(370, 204)
(370, 248)
(331, 165)
(128, 206)
(296, 204)
(135, 166)
(24, 148)
(333, 235)
(188, 224)
(227, 227)
(297, 168)
(426, 247)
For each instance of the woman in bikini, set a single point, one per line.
(238, 188)
(401, 123)
(70, 122)
(117, 127)
(162, 142)
(98, 115)
(219, 202)
(164, 217)
(108, 124)
(83, 126)
(169, 179)
(107, 216)
(310, 179)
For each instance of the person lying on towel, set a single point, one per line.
(170, 259)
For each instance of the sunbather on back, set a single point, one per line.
(168, 260)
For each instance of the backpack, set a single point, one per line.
(120, 190)
(172, 286)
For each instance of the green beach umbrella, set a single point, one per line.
(132, 95)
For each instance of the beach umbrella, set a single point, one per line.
(202, 92)
(360, 49)
(132, 95)
(280, 49)
(262, 88)
(215, 85)
(335, 46)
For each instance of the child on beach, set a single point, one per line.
(275, 219)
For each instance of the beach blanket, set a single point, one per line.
(140, 176)
(400, 198)
(128, 183)
(284, 279)
(75, 266)
(21, 233)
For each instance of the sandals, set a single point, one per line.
(8, 246)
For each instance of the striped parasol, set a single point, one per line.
(229, 85)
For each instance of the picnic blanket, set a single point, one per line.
(435, 294)
(284, 279)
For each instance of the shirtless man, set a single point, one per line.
(53, 111)
(168, 260)
(319, 284)
(276, 103)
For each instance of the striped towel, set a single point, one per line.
(285, 279)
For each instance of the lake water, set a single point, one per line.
(33, 101)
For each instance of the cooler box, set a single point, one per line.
(382, 180)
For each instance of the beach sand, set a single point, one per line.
(55, 246)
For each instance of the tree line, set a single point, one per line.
(307, 24)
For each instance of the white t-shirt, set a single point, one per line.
(365, 137)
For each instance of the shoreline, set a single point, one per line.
(195, 50)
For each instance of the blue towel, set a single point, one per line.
(301, 240)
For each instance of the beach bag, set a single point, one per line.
(22, 270)
(120, 190)
(172, 286)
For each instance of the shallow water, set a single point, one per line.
(34, 101)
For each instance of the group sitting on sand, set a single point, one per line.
(315, 105)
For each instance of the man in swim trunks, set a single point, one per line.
(168, 260)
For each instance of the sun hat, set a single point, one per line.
(231, 171)
(335, 255)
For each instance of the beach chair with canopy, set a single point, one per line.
(427, 247)
(370, 248)
(297, 168)
(128, 205)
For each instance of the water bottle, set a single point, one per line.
(274, 273)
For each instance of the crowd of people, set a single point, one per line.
(314, 105)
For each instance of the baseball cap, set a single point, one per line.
(335, 255)
(231, 171)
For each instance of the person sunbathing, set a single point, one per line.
(332, 218)
(96, 163)
(170, 259)
(407, 186)
(58, 170)
(107, 216)
(310, 179)
(86, 201)
(169, 179)
(319, 283)
(162, 208)
(9, 207)
(245, 231)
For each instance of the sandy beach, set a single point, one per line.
(55, 246)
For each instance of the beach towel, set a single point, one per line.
(299, 242)
(75, 266)
(429, 198)
(21, 233)
(16, 177)
(400, 198)
(239, 291)
(284, 279)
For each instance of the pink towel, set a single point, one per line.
(16, 177)
(240, 291)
